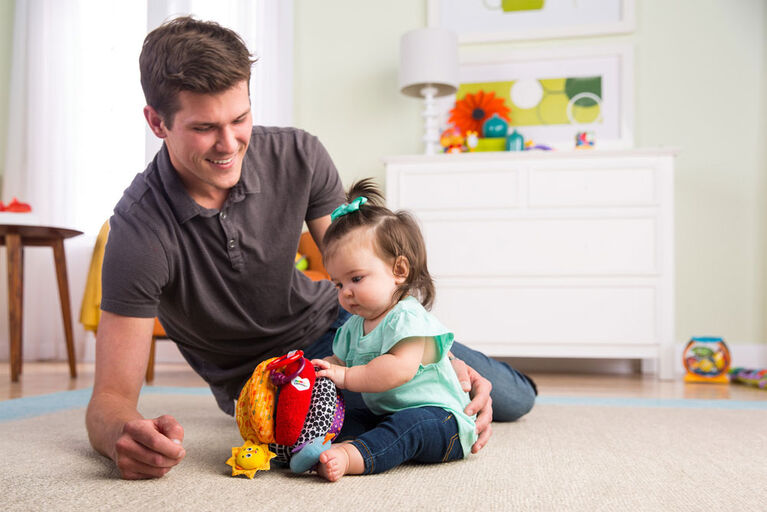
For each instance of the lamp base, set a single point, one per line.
(430, 114)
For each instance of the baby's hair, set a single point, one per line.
(395, 234)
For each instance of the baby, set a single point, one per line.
(392, 350)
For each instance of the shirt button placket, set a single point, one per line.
(232, 248)
(231, 243)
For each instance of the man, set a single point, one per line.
(205, 239)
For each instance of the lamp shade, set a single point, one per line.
(428, 57)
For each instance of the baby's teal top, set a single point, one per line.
(433, 385)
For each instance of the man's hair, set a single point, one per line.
(185, 54)
(395, 235)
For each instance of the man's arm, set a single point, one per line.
(141, 448)
(317, 228)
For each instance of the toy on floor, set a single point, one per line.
(751, 377)
(250, 458)
(706, 359)
(284, 412)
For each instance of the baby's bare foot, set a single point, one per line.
(334, 463)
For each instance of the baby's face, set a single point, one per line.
(366, 283)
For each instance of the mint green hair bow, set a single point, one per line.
(348, 208)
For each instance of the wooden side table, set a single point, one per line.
(15, 238)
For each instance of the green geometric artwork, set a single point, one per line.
(545, 102)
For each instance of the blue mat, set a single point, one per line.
(669, 403)
(32, 406)
(29, 407)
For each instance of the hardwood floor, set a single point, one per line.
(49, 377)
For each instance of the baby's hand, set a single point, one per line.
(332, 371)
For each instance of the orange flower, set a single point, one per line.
(471, 111)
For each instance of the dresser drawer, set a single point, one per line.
(592, 187)
(459, 190)
(548, 247)
(549, 314)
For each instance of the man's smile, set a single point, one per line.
(221, 162)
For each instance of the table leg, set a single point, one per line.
(66, 311)
(15, 300)
(21, 308)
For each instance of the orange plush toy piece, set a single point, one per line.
(255, 407)
(296, 383)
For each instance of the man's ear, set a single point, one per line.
(401, 269)
(155, 122)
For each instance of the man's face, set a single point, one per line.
(208, 141)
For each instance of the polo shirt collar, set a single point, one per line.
(249, 182)
(184, 207)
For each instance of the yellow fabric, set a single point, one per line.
(90, 309)
(255, 407)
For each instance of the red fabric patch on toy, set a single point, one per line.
(293, 403)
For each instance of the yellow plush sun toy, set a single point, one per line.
(249, 458)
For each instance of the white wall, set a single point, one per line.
(345, 81)
(700, 87)
(700, 78)
(763, 168)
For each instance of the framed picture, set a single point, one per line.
(511, 20)
(549, 95)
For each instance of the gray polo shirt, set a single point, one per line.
(223, 283)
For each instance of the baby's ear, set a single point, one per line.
(401, 269)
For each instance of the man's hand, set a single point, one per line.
(149, 448)
(141, 448)
(481, 404)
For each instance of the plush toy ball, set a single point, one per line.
(326, 415)
(308, 414)
(293, 401)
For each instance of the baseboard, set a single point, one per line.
(743, 354)
(165, 351)
(572, 365)
(747, 355)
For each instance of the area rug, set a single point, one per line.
(579, 454)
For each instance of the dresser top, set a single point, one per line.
(533, 154)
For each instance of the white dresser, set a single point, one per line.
(549, 254)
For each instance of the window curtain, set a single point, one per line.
(77, 135)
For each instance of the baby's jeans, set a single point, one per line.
(420, 434)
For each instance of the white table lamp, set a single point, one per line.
(429, 69)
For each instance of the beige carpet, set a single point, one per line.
(559, 457)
